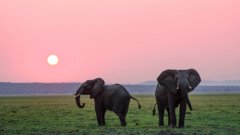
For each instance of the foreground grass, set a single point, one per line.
(212, 114)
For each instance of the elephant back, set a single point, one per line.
(118, 90)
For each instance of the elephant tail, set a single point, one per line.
(139, 106)
(154, 110)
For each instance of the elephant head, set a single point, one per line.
(89, 87)
(182, 81)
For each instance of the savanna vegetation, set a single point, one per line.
(212, 114)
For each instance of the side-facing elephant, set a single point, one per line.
(113, 97)
(172, 89)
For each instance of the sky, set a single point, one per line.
(124, 41)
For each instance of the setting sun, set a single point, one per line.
(52, 59)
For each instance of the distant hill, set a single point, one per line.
(149, 83)
(70, 88)
(38, 88)
(205, 83)
(221, 83)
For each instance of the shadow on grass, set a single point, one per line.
(169, 133)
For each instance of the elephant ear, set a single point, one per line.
(194, 78)
(166, 79)
(98, 87)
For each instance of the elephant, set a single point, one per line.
(106, 97)
(172, 89)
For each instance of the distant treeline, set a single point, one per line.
(70, 88)
(38, 88)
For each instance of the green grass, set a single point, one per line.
(212, 114)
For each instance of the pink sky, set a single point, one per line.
(121, 41)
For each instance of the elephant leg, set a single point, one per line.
(121, 118)
(182, 112)
(169, 118)
(124, 112)
(103, 117)
(99, 113)
(172, 117)
(124, 107)
(160, 114)
(99, 118)
(121, 109)
(171, 102)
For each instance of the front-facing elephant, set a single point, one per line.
(172, 89)
(106, 97)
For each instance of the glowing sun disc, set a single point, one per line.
(52, 59)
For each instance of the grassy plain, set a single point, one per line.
(212, 114)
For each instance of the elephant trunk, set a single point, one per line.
(77, 98)
(186, 98)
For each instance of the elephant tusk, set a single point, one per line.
(189, 87)
(177, 88)
(77, 95)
